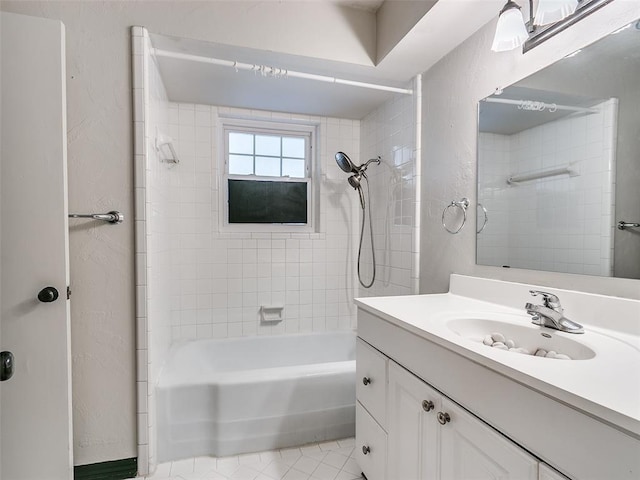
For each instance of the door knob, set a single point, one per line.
(366, 381)
(48, 294)
(366, 450)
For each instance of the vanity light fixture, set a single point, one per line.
(553, 15)
(510, 31)
(552, 11)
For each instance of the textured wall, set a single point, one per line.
(451, 90)
(100, 164)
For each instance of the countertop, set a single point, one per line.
(606, 386)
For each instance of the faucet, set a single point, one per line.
(551, 313)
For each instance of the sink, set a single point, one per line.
(527, 339)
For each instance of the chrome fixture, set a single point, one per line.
(462, 205)
(355, 180)
(554, 15)
(443, 418)
(622, 225)
(111, 217)
(551, 313)
(427, 405)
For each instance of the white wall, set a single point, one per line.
(560, 223)
(452, 89)
(390, 131)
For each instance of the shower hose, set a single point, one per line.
(373, 251)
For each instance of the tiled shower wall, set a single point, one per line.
(390, 132)
(220, 280)
(559, 223)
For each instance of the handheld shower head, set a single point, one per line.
(354, 180)
(345, 163)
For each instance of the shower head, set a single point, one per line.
(345, 163)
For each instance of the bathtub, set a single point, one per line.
(224, 397)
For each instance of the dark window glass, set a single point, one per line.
(254, 201)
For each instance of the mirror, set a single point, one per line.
(559, 165)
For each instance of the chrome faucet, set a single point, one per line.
(551, 314)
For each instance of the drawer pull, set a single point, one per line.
(366, 380)
(427, 405)
(365, 450)
(443, 418)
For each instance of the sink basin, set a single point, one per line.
(534, 340)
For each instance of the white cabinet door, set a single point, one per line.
(35, 418)
(371, 445)
(470, 449)
(371, 381)
(413, 428)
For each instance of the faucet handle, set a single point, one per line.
(550, 300)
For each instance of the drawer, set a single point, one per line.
(371, 381)
(371, 445)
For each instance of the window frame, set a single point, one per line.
(281, 129)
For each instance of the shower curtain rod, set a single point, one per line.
(277, 72)
(521, 103)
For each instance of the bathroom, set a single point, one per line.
(441, 120)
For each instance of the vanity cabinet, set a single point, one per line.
(431, 437)
(496, 427)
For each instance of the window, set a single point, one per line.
(267, 184)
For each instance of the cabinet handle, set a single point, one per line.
(366, 380)
(427, 405)
(443, 418)
(365, 450)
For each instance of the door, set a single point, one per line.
(472, 449)
(35, 417)
(413, 428)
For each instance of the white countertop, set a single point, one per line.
(606, 386)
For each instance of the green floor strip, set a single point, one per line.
(114, 470)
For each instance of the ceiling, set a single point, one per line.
(428, 39)
(507, 119)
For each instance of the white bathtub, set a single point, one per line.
(224, 397)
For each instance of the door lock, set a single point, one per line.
(6, 366)
(48, 294)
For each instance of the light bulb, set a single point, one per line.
(510, 30)
(552, 11)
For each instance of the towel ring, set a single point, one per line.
(462, 205)
(486, 218)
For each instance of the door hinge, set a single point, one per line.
(68, 292)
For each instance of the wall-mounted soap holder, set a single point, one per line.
(165, 149)
(271, 313)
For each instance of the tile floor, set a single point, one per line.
(317, 461)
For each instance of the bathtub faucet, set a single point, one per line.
(551, 314)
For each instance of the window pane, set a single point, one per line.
(268, 166)
(293, 147)
(240, 165)
(240, 143)
(267, 145)
(293, 167)
(255, 201)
